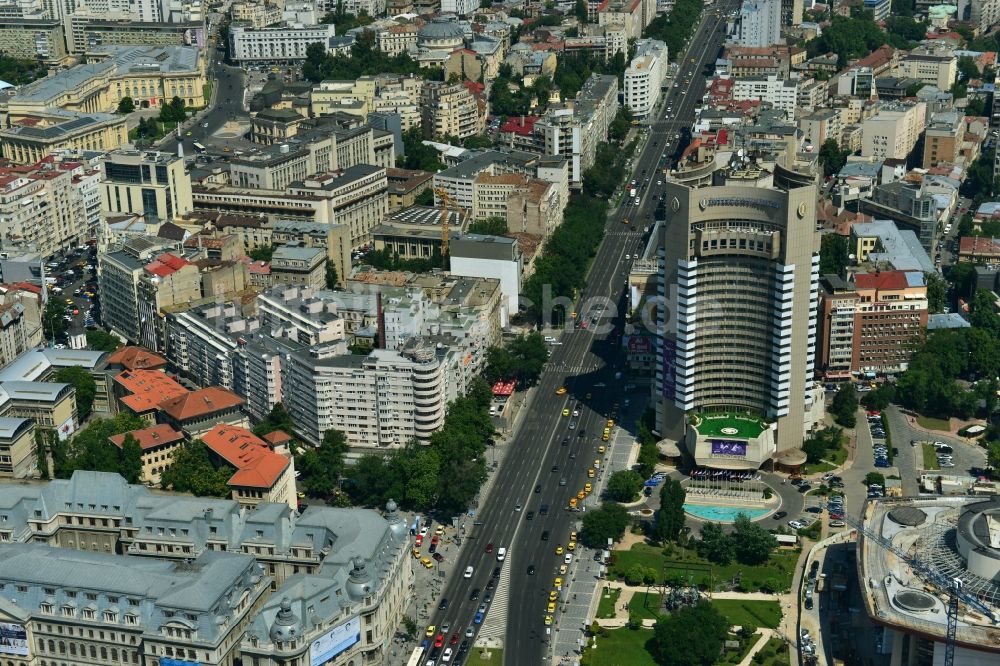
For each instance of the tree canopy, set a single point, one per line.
(606, 522)
(676, 27)
(753, 543)
(522, 358)
(277, 419)
(321, 468)
(844, 405)
(102, 341)
(848, 37)
(173, 111)
(91, 449)
(83, 382)
(832, 157)
(365, 60)
(834, 255)
(491, 226)
(623, 486)
(690, 636)
(670, 518)
(418, 156)
(193, 472)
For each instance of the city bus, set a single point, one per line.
(200, 148)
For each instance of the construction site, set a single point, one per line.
(929, 573)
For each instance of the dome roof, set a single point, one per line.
(359, 581)
(286, 624)
(442, 27)
(396, 524)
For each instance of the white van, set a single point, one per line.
(468, 572)
(501, 555)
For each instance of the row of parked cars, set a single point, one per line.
(881, 449)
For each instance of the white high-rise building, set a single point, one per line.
(759, 24)
(460, 7)
(645, 75)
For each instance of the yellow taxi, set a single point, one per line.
(416, 553)
(586, 488)
(572, 502)
(69, 301)
(611, 423)
(624, 220)
(563, 569)
(590, 473)
(559, 550)
(557, 583)
(601, 449)
(548, 620)
(426, 561)
(605, 437)
(566, 412)
(597, 463)
(581, 495)
(571, 546)
(573, 315)
(692, 61)
(572, 535)
(553, 595)
(551, 608)
(561, 390)
(430, 631)
(439, 531)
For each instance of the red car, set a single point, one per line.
(435, 539)
(439, 640)
(454, 640)
(420, 540)
(489, 548)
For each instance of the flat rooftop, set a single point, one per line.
(730, 425)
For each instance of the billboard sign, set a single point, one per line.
(13, 639)
(669, 368)
(178, 662)
(335, 641)
(728, 447)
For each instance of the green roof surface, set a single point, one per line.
(717, 425)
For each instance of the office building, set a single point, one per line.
(645, 75)
(780, 94)
(870, 325)
(880, 9)
(496, 257)
(943, 139)
(893, 131)
(18, 333)
(759, 23)
(357, 197)
(18, 459)
(459, 7)
(55, 131)
(933, 67)
(159, 444)
(982, 15)
(299, 265)
(277, 44)
(87, 30)
(33, 39)
(746, 352)
(145, 183)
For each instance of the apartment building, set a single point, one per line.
(18, 333)
(780, 94)
(277, 44)
(145, 183)
(357, 197)
(574, 129)
(744, 249)
(645, 75)
(494, 257)
(759, 23)
(120, 273)
(33, 39)
(85, 30)
(872, 323)
(983, 15)
(348, 570)
(451, 110)
(943, 139)
(259, 474)
(18, 459)
(255, 14)
(529, 205)
(299, 265)
(893, 131)
(382, 400)
(399, 37)
(880, 9)
(46, 205)
(932, 67)
(821, 125)
(459, 7)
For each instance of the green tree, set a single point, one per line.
(126, 105)
(345, 21)
(623, 486)
(102, 341)
(937, 293)
(844, 406)
(91, 449)
(834, 255)
(874, 478)
(670, 518)
(814, 449)
(416, 155)
(993, 454)
(277, 419)
(981, 312)
(263, 253)
(521, 358)
(321, 468)
(700, 629)
(173, 111)
(647, 460)
(331, 278)
(53, 324)
(752, 542)
(130, 465)
(193, 472)
(607, 522)
(491, 226)
(83, 382)
(621, 124)
(832, 157)
(880, 398)
(425, 198)
(967, 69)
(848, 37)
(715, 545)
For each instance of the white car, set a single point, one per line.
(501, 555)
(468, 571)
(446, 656)
(637, 201)
(568, 558)
(628, 256)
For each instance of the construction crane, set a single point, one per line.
(446, 203)
(953, 586)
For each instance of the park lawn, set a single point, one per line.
(620, 646)
(476, 659)
(775, 653)
(607, 604)
(206, 92)
(930, 456)
(932, 423)
(736, 656)
(817, 468)
(684, 564)
(645, 604)
(742, 612)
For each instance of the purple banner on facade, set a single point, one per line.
(728, 447)
(669, 368)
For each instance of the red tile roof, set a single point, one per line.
(473, 87)
(278, 437)
(256, 465)
(136, 358)
(522, 125)
(166, 264)
(980, 245)
(202, 402)
(149, 438)
(148, 388)
(881, 280)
